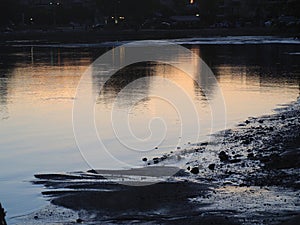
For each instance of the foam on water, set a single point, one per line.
(229, 40)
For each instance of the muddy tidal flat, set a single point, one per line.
(251, 176)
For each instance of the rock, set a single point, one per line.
(163, 157)
(195, 170)
(286, 160)
(261, 133)
(237, 156)
(247, 141)
(145, 159)
(212, 166)
(223, 156)
(2, 215)
(283, 117)
(235, 160)
(92, 171)
(79, 220)
(250, 156)
(155, 160)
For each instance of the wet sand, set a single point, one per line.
(254, 180)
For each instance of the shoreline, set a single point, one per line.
(82, 36)
(253, 180)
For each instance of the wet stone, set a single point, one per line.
(79, 220)
(212, 166)
(223, 156)
(237, 156)
(246, 141)
(250, 156)
(195, 170)
(235, 160)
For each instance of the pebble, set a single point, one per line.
(235, 160)
(250, 156)
(212, 166)
(195, 170)
(223, 156)
(79, 220)
(246, 141)
(155, 160)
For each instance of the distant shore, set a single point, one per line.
(80, 36)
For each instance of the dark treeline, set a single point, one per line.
(98, 14)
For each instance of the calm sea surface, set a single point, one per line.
(38, 86)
